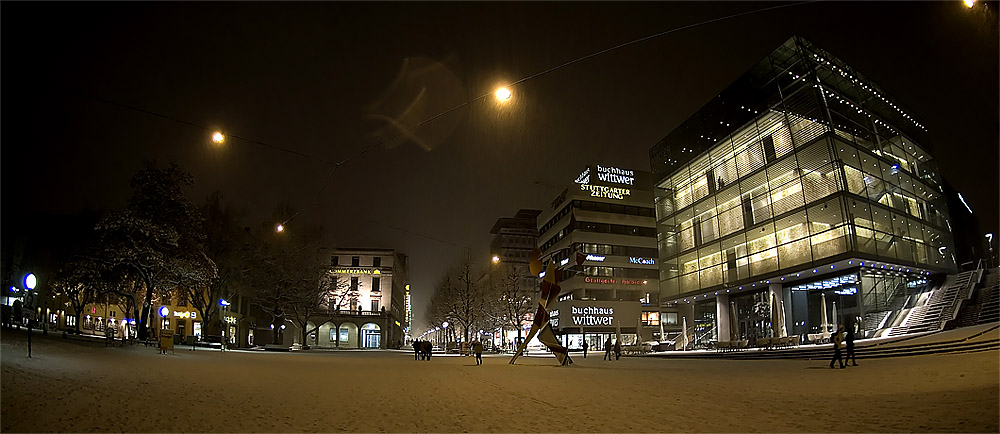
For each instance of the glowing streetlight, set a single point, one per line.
(496, 259)
(218, 138)
(503, 94)
(280, 227)
(969, 3)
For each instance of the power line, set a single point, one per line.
(336, 165)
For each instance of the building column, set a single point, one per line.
(722, 317)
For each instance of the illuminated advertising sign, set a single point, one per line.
(615, 175)
(596, 258)
(593, 316)
(606, 192)
(356, 271)
(643, 261)
(584, 177)
(611, 281)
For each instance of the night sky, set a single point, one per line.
(328, 80)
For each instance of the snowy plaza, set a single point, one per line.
(78, 386)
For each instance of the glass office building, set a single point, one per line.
(798, 172)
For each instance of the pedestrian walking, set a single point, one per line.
(585, 348)
(618, 349)
(477, 347)
(416, 350)
(607, 349)
(850, 346)
(837, 339)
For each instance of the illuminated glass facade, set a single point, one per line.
(802, 162)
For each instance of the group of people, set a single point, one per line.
(422, 350)
(609, 347)
(838, 338)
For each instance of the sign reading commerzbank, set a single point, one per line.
(593, 315)
(606, 192)
(356, 271)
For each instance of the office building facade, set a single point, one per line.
(606, 218)
(801, 182)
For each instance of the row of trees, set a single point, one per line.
(500, 299)
(163, 247)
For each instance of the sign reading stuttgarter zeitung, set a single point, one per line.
(606, 192)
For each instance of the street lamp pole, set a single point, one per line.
(29, 286)
(225, 322)
(989, 243)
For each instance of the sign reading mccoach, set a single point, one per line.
(592, 315)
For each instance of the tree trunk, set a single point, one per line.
(143, 318)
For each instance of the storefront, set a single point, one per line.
(576, 321)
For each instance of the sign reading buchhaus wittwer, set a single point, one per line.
(802, 183)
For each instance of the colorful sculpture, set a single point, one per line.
(540, 324)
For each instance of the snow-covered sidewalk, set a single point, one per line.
(73, 386)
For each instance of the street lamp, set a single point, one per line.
(225, 321)
(444, 326)
(218, 138)
(989, 243)
(970, 3)
(29, 285)
(503, 94)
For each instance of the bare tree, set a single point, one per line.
(517, 295)
(458, 299)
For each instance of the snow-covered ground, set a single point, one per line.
(71, 386)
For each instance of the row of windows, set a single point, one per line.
(604, 228)
(376, 284)
(780, 189)
(356, 261)
(615, 250)
(589, 205)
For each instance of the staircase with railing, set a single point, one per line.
(983, 307)
(941, 306)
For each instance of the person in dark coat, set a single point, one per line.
(836, 339)
(850, 346)
(428, 348)
(618, 349)
(477, 347)
(416, 350)
(585, 346)
(607, 349)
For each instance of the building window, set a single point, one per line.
(376, 284)
(650, 318)
(355, 261)
(374, 305)
(333, 334)
(377, 261)
(669, 318)
(334, 260)
(99, 324)
(88, 323)
(54, 318)
(354, 283)
(70, 320)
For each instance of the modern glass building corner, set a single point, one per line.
(797, 173)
